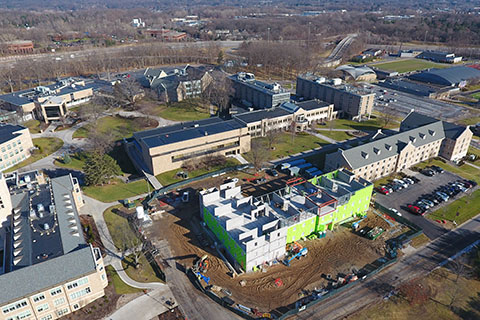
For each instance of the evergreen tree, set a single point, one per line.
(100, 169)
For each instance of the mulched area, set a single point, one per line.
(90, 232)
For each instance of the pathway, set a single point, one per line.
(240, 158)
(323, 137)
(153, 180)
(472, 165)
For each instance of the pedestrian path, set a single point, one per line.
(153, 180)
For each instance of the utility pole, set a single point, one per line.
(425, 39)
(308, 38)
(268, 34)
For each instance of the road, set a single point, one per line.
(337, 52)
(411, 266)
(406, 102)
(9, 60)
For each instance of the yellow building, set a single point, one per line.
(49, 270)
(163, 149)
(15, 145)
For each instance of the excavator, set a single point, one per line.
(201, 265)
(295, 250)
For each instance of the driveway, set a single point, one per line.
(400, 199)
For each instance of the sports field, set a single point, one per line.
(409, 65)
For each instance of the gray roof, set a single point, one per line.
(8, 131)
(26, 281)
(186, 131)
(449, 76)
(356, 72)
(67, 215)
(415, 120)
(259, 115)
(259, 85)
(312, 104)
(389, 146)
(408, 86)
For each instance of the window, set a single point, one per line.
(14, 306)
(47, 317)
(75, 306)
(62, 312)
(59, 301)
(38, 297)
(55, 291)
(42, 307)
(21, 315)
(77, 283)
(80, 293)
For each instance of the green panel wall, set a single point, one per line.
(302, 229)
(233, 248)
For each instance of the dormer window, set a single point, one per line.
(388, 147)
(422, 135)
(365, 155)
(376, 150)
(413, 139)
(431, 132)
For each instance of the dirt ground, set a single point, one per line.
(340, 252)
(174, 314)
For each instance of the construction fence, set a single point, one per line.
(312, 300)
(182, 183)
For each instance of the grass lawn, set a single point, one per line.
(470, 121)
(476, 95)
(335, 135)
(117, 190)
(186, 110)
(46, 146)
(144, 273)
(33, 126)
(120, 286)
(116, 126)
(409, 65)
(170, 177)
(442, 283)
(118, 226)
(419, 241)
(369, 125)
(467, 206)
(78, 161)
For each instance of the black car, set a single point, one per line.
(415, 179)
(273, 173)
(437, 169)
(428, 172)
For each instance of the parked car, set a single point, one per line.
(428, 172)
(431, 204)
(383, 190)
(273, 172)
(442, 195)
(260, 181)
(437, 169)
(432, 199)
(408, 180)
(401, 182)
(415, 179)
(415, 209)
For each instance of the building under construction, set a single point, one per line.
(256, 230)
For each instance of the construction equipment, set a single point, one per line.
(303, 252)
(204, 278)
(356, 224)
(374, 233)
(201, 265)
(129, 203)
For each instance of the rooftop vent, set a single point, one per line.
(365, 155)
(46, 226)
(206, 133)
(335, 187)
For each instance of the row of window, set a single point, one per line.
(11, 154)
(9, 146)
(22, 315)
(14, 306)
(80, 293)
(12, 162)
(77, 283)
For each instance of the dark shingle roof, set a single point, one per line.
(8, 131)
(415, 120)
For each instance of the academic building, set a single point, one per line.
(47, 270)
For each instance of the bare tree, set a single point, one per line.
(416, 292)
(459, 269)
(128, 92)
(258, 153)
(129, 242)
(98, 141)
(388, 116)
(272, 138)
(219, 92)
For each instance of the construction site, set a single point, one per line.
(331, 259)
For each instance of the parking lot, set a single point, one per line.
(405, 102)
(400, 199)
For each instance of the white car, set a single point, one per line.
(395, 211)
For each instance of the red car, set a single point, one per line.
(383, 190)
(416, 210)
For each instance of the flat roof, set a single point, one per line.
(259, 115)
(186, 131)
(9, 131)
